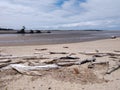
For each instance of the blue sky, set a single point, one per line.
(60, 14)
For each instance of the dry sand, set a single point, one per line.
(75, 77)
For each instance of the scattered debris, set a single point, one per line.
(22, 69)
(110, 70)
(43, 49)
(5, 61)
(65, 47)
(100, 54)
(69, 57)
(76, 70)
(58, 53)
(92, 65)
(117, 51)
(73, 62)
(7, 64)
(113, 37)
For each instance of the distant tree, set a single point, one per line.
(22, 30)
(38, 31)
(31, 31)
(48, 31)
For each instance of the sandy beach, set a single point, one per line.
(69, 75)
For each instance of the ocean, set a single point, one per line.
(55, 37)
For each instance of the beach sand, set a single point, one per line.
(75, 77)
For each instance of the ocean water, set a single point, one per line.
(56, 37)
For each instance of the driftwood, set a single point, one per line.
(43, 49)
(113, 69)
(4, 55)
(63, 59)
(100, 54)
(116, 51)
(100, 63)
(58, 53)
(96, 53)
(6, 64)
(113, 54)
(75, 63)
(69, 57)
(22, 68)
(88, 60)
(34, 58)
(113, 37)
(65, 47)
(54, 61)
(23, 57)
(91, 65)
(5, 61)
(66, 63)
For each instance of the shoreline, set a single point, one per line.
(37, 44)
(56, 37)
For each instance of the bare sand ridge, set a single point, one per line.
(69, 76)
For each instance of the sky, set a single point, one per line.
(60, 14)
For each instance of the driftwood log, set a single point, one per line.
(100, 54)
(29, 70)
(69, 57)
(43, 49)
(6, 64)
(58, 52)
(91, 65)
(76, 63)
(113, 69)
(5, 61)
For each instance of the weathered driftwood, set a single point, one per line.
(113, 37)
(34, 58)
(100, 63)
(62, 59)
(24, 69)
(91, 65)
(65, 47)
(88, 60)
(115, 57)
(5, 61)
(6, 64)
(113, 69)
(69, 57)
(58, 52)
(23, 57)
(15, 57)
(76, 63)
(4, 55)
(100, 54)
(43, 49)
(113, 54)
(90, 53)
(66, 63)
(116, 51)
(54, 61)
(9, 57)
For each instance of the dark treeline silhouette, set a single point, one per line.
(23, 31)
(7, 29)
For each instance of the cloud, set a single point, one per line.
(60, 14)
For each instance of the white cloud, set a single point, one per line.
(71, 14)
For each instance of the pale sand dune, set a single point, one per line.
(65, 78)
